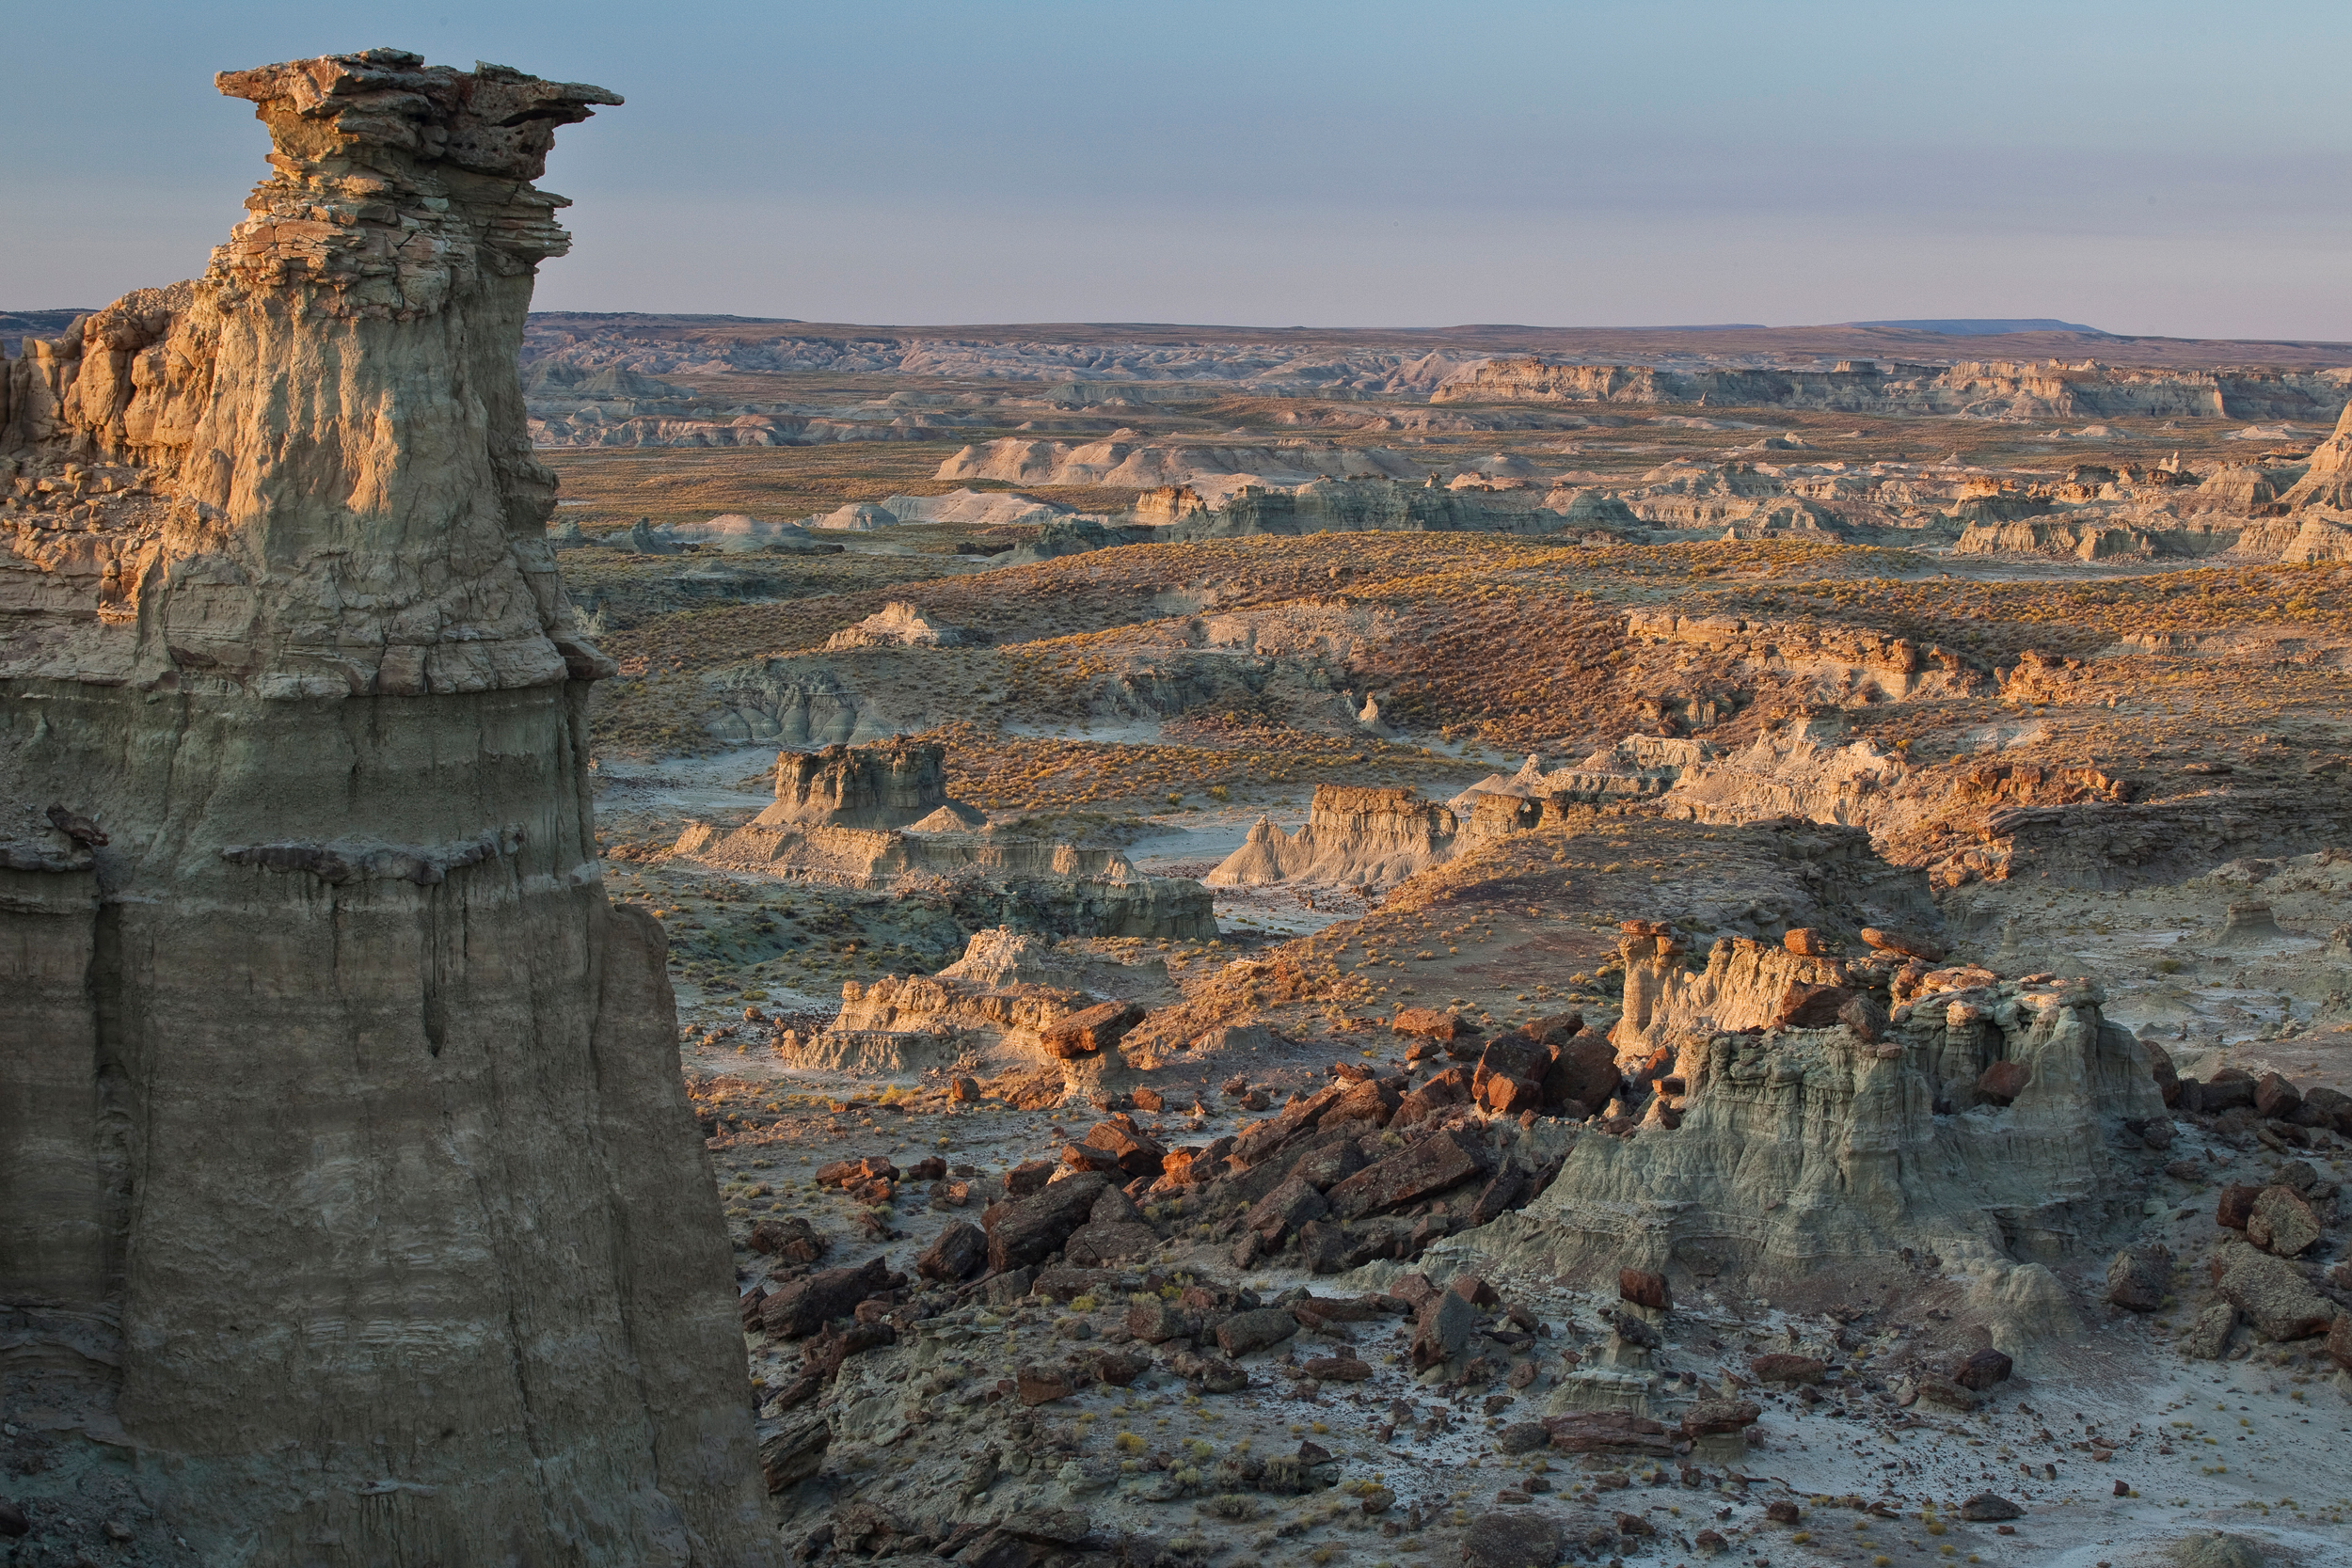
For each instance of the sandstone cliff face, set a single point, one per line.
(346, 1179)
(1352, 837)
(2038, 390)
(1777, 1146)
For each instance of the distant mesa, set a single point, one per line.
(1988, 326)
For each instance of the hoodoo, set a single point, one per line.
(347, 1183)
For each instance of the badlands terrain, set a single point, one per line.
(1493, 690)
(1492, 945)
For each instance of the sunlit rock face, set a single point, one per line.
(346, 1180)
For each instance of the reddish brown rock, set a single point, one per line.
(1712, 1418)
(1029, 1229)
(2003, 1081)
(1337, 1369)
(1982, 1370)
(1094, 1029)
(1644, 1288)
(1430, 1025)
(1408, 1176)
(1026, 1179)
(956, 1256)
(1780, 1367)
(1806, 943)
(1035, 1385)
(2276, 1097)
(1609, 1432)
(806, 1305)
(1803, 1007)
(1902, 943)
(2282, 1223)
(1583, 1069)
(2235, 1205)
(792, 1241)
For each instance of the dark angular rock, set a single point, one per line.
(794, 1448)
(807, 1303)
(2282, 1223)
(1023, 1181)
(1324, 1247)
(1094, 1029)
(1506, 1191)
(1782, 1368)
(1583, 1068)
(1245, 1332)
(2139, 1277)
(1032, 1229)
(1408, 1176)
(1803, 1007)
(1443, 1330)
(1097, 1243)
(2274, 1097)
(1136, 1151)
(1712, 1418)
(1154, 1321)
(1645, 1288)
(792, 1241)
(1284, 1209)
(1982, 1370)
(956, 1256)
(1523, 1438)
(1609, 1432)
(1036, 1385)
(1989, 1508)
(1336, 1369)
(2236, 1205)
(1512, 1538)
(2004, 1081)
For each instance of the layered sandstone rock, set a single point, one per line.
(1793, 1124)
(346, 1179)
(879, 816)
(1352, 837)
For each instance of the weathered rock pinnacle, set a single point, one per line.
(347, 1183)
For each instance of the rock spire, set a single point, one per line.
(347, 1183)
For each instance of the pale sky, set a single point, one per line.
(2147, 167)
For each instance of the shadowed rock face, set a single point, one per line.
(346, 1177)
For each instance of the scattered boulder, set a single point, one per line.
(1510, 1538)
(794, 1450)
(1408, 1176)
(1428, 1023)
(2140, 1278)
(1094, 1029)
(1902, 944)
(1443, 1330)
(1981, 1370)
(1029, 1229)
(807, 1303)
(2275, 1297)
(2208, 1338)
(1035, 1385)
(2282, 1223)
(1806, 943)
(1644, 1288)
(1245, 1332)
(1780, 1367)
(1713, 1418)
(2004, 1081)
(956, 1256)
(791, 1240)
(1989, 1508)
(1804, 1006)
(1609, 1432)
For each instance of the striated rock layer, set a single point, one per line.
(1786, 1124)
(348, 1189)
